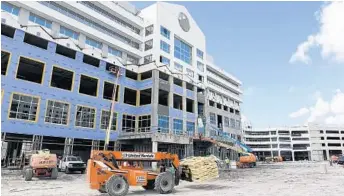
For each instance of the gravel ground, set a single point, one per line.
(282, 179)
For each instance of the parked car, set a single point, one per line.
(341, 160)
(71, 164)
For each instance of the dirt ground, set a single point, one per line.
(282, 179)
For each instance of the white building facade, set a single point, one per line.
(312, 142)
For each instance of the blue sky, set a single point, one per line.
(255, 41)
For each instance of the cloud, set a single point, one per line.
(299, 113)
(329, 112)
(330, 36)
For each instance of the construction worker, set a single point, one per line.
(227, 163)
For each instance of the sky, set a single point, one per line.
(288, 55)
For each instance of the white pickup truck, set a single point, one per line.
(72, 163)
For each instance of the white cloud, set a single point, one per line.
(299, 113)
(329, 112)
(330, 36)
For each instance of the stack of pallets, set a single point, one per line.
(200, 168)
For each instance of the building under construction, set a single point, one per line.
(57, 81)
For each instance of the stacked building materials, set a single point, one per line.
(200, 168)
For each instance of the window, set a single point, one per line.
(200, 78)
(146, 75)
(144, 123)
(24, 107)
(164, 32)
(149, 30)
(10, 8)
(177, 102)
(231, 110)
(219, 106)
(164, 60)
(148, 59)
(93, 43)
(232, 123)
(35, 41)
(237, 112)
(164, 46)
(62, 78)
(105, 120)
(131, 75)
(189, 72)
(5, 59)
(108, 91)
(163, 76)
(130, 96)
(163, 97)
(148, 44)
(85, 117)
(7, 30)
(69, 13)
(189, 86)
(178, 67)
(67, 52)
(128, 123)
(199, 53)
(212, 118)
(39, 20)
(132, 60)
(190, 128)
(88, 85)
(30, 70)
(226, 122)
(182, 51)
(178, 82)
(189, 105)
(69, 33)
(200, 66)
(211, 103)
(115, 52)
(145, 96)
(178, 126)
(225, 108)
(163, 123)
(91, 60)
(57, 112)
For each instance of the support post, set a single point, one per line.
(154, 150)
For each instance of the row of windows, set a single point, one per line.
(228, 122)
(26, 107)
(89, 22)
(163, 125)
(10, 8)
(65, 51)
(182, 51)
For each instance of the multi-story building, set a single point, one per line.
(309, 142)
(57, 84)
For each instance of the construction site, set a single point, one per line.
(102, 98)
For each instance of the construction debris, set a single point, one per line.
(200, 168)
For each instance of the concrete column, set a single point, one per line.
(328, 154)
(105, 50)
(170, 101)
(184, 106)
(155, 98)
(279, 153)
(23, 17)
(154, 149)
(293, 155)
(55, 29)
(82, 40)
(195, 108)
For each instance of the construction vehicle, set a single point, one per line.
(246, 160)
(113, 172)
(39, 164)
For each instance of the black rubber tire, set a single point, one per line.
(67, 170)
(117, 186)
(150, 185)
(54, 173)
(102, 189)
(28, 174)
(164, 183)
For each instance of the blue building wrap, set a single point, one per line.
(10, 84)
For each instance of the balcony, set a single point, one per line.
(224, 82)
